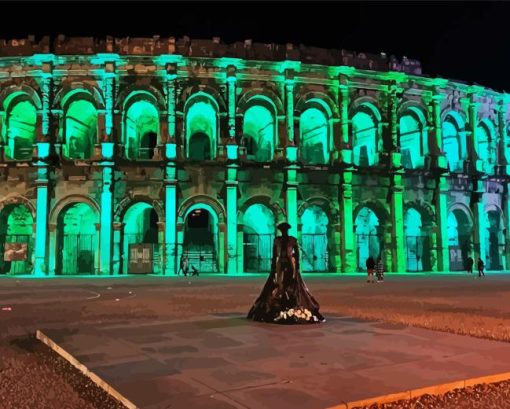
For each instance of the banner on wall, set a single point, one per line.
(15, 251)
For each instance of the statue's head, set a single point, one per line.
(284, 227)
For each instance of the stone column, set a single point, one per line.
(171, 252)
(117, 241)
(443, 263)
(346, 144)
(480, 226)
(473, 123)
(347, 236)
(170, 96)
(41, 215)
(231, 83)
(109, 93)
(289, 100)
(105, 232)
(231, 185)
(397, 219)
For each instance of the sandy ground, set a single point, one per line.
(31, 377)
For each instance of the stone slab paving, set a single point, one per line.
(226, 361)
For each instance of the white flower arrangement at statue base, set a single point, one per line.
(296, 315)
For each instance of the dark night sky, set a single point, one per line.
(467, 41)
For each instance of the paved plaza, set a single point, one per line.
(180, 342)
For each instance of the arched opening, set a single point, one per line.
(459, 239)
(141, 239)
(413, 139)
(454, 145)
(369, 238)
(201, 130)
(80, 130)
(201, 239)
(141, 130)
(16, 230)
(417, 244)
(200, 147)
(487, 152)
(21, 129)
(494, 240)
(314, 137)
(314, 240)
(259, 133)
(259, 233)
(365, 135)
(77, 239)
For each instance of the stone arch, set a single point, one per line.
(323, 202)
(259, 128)
(460, 229)
(316, 123)
(412, 135)
(319, 98)
(376, 206)
(137, 92)
(191, 92)
(197, 200)
(69, 200)
(495, 240)
(418, 222)
(69, 91)
(126, 202)
(453, 126)
(368, 101)
(366, 132)
(254, 94)
(202, 135)
(11, 92)
(487, 149)
(18, 200)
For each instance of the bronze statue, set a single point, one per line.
(285, 299)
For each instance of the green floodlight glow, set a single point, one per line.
(416, 249)
(140, 226)
(80, 130)
(16, 226)
(454, 144)
(369, 241)
(314, 239)
(201, 131)
(413, 139)
(141, 130)
(78, 241)
(365, 137)
(21, 127)
(40, 230)
(314, 137)
(487, 151)
(259, 133)
(258, 233)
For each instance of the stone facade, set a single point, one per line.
(200, 148)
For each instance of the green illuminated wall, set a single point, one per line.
(19, 132)
(80, 130)
(454, 143)
(365, 135)
(314, 136)
(141, 130)
(314, 239)
(368, 237)
(259, 133)
(16, 226)
(201, 130)
(413, 139)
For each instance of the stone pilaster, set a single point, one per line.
(347, 237)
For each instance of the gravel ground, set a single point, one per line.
(490, 396)
(31, 377)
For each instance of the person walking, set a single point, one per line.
(183, 265)
(370, 269)
(380, 270)
(469, 264)
(481, 266)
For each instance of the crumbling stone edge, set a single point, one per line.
(83, 369)
(440, 389)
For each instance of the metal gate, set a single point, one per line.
(314, 252)
(79, 253)
(368, 245)
(202, 257)
(414, 252)
(457, 262)
(16, 257)
(258, 250)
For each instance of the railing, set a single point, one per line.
(78, 254)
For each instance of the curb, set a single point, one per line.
(83, 369)
(440, 389)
